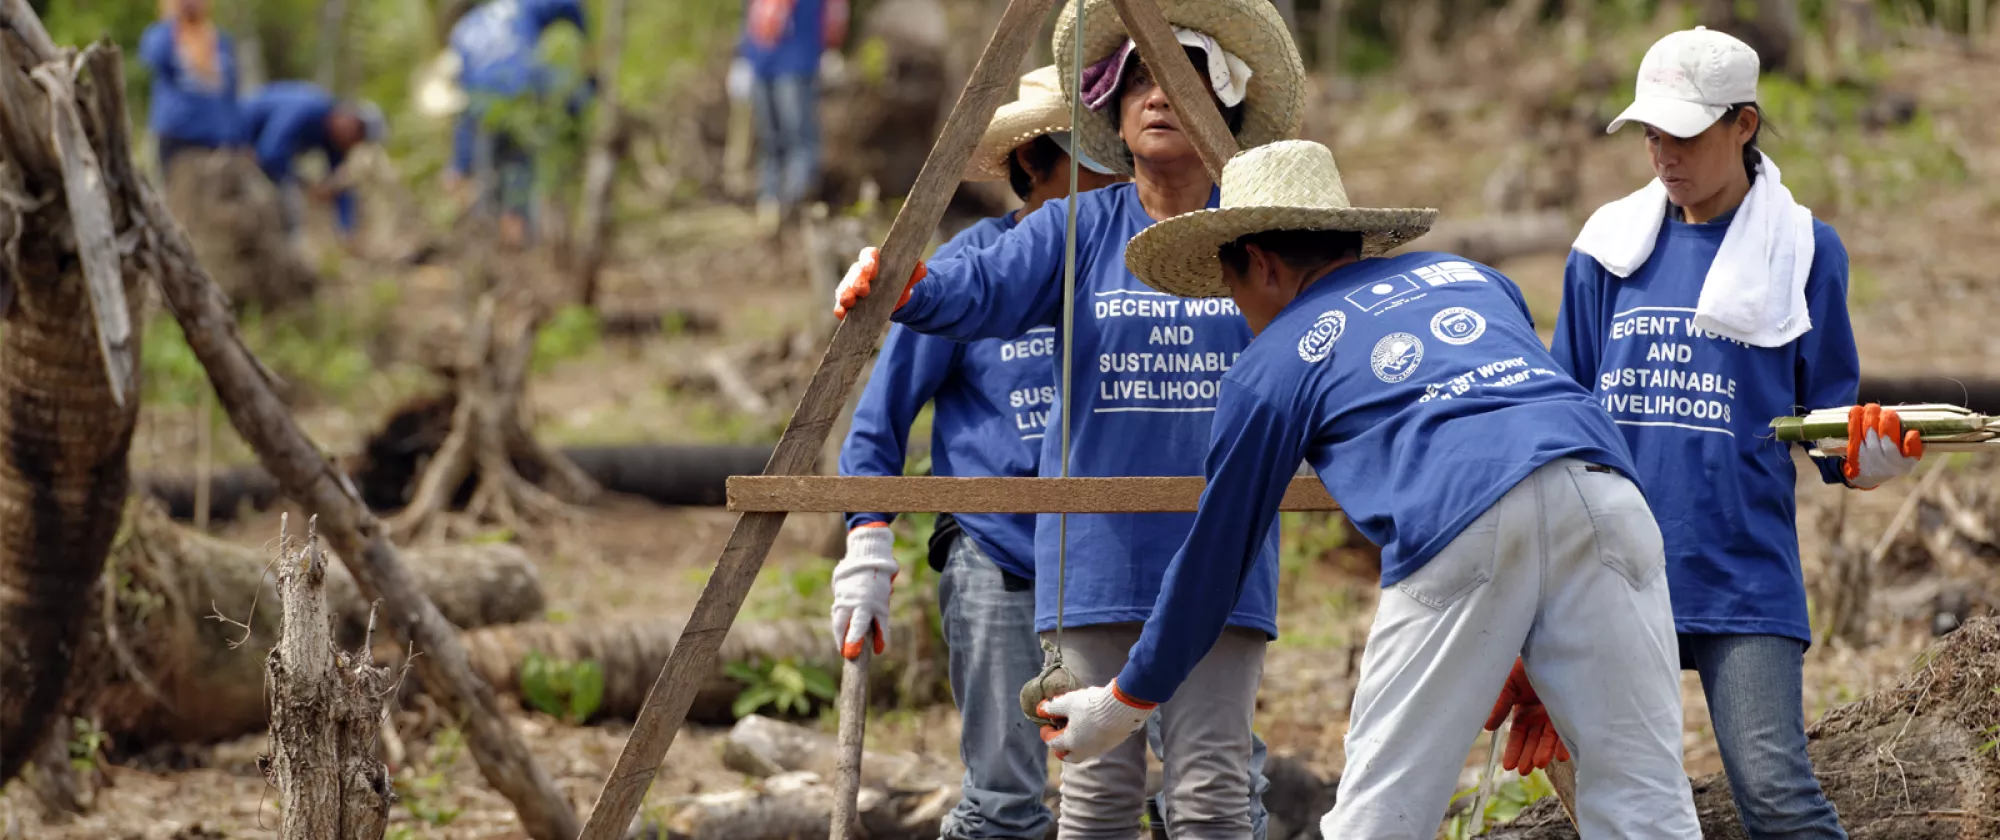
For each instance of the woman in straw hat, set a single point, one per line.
(1498, 489)
(991, 402)
(1147, 372)
(1699, 308)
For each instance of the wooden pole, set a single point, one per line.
(595, 225)
(919, 494)
(854, 342)
(853, 727)
(1184, 86)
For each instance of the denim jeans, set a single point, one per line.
(787, 111)
(989, 625)
(1756, 704)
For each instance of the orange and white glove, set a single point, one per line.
(1532, 742)
(861, 277)
(1877, 447)
(1095, 720)
(862, 582)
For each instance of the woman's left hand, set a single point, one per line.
(1878, 448)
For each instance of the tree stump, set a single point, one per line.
(326, 712)
(488, 432)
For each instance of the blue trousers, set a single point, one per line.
(1754, 686)
(787, 118)
(989, 626)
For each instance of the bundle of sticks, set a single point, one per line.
(1942, 427)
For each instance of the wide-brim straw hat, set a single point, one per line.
(1286, 185)
(1039, 110)
(1250, 29)
(438, 93)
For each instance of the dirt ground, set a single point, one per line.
(1921, 303)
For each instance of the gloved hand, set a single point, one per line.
(861, 585)
(1095, 720)
(1877, 447)
(861, 276)
(1532, 742)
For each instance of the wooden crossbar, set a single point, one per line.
(922, 494)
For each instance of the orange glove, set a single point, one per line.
(1532, 742)
(1878, 448)
(861, 278)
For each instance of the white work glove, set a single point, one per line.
(1877, 447)
(740, 78)
(860, 280)
(1095, 720)
(861, 585)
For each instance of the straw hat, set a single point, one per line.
(438, 93)
(1041, 109)
(1286, 185)
(1251, 29)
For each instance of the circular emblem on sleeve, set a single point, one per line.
(1396, 356)
(1458, 325)
(1317, 343)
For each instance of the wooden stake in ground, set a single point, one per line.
(244, 388)
(325, 706)
(853, 729)
(853, 343)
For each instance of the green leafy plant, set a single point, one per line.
(571, 691)
(1993, 730)
(1510, 797)
(86, 746)
(787, 686)
(573, 331)
(426, 795)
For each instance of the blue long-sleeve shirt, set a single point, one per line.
(798, 49)
(496, 43)
(1696, 409)
(992, 401)
(183, 107)
(1417, 389)
(1147, 368)
(283, 120)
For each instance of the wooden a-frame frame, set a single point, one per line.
(854, 341)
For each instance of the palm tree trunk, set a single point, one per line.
(64, 432)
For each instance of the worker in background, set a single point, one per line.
(496, 44)
(1698, 309)
(1147, 370)
(992, 402)
(1498, 488)
(193, 101)
(783, 41)
(285, 120)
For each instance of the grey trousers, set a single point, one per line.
(1205, 730)
(1567, 572)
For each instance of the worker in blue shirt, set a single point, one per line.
(1499, 491)
(782, 42)
(992, 402)
(284, 120)
(496, 46)
(1147, 369)
(1698, 309)
(193, 100)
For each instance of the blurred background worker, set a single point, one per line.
(783, 41)
(496, 47)
(284, 120)
(193, 103)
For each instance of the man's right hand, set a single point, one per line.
(1532, 742)
(861, 277)
(861, 585)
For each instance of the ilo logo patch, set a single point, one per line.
(1396, 356)
(1458, 325)
(1317, 343)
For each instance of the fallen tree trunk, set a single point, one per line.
(799, 806)
(194, 615)
(630, 652)
(1906, 762)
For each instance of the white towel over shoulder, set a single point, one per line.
(1755, 291)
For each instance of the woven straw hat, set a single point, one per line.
(1286, 185)
(1251, 29)
(1040, 109)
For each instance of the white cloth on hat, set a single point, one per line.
(1755, 290)
(1228, 75)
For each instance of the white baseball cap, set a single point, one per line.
(1689, 79)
